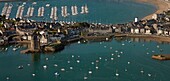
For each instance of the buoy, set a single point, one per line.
(142, 71)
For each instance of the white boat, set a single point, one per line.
(47, 5)
(34, 3)
(84, 10)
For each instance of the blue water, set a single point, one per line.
(100, 11)
(115, 61)
(129, 60)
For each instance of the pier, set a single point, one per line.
(20, 11)
(7, 10)
(161, 57)
(30, 11)
(40, 11)
(74, 10)
(53, 15)
(64, 11)
(84, 10)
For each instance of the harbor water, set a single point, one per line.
(115, 60)
(100, 11)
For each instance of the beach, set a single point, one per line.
(161, 5)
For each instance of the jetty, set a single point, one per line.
(20, 11)
(30, 12)
(74, 10)
(161, 57)
(84, 10)
(40, 11)
(64, 11)
(53, 15)
(7, 10)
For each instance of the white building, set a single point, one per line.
(137, 31)
(166, 33)
(142, 30)
(132, 30)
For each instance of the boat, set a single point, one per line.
(47, 5)
(20, 67)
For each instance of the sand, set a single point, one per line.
(161, 5)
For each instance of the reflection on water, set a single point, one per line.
(35, 57)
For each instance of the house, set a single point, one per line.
(43, 40)
(142, 30)
(166, 33)
(160, 32)
(118, 30)
(136, 31)
(148, 32)
(132, 30)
